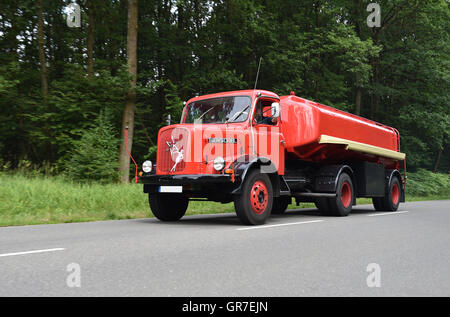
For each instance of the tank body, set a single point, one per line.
(305, 121)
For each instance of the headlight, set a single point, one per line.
(219, 163)
(147, 166)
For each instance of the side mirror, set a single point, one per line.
(275, 109)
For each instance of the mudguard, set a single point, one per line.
(326, 178)
(245, 163)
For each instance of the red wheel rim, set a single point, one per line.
(346, 195)
(395, 194)
(259, 197)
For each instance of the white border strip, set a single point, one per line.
(388, 213)
(279, 225)
(362, 147)
(31, 252)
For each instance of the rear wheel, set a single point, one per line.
(254, 205)
(378, 203)
(323, 205)
(341, 205)
(280, 205)
(168, 207)
(391, 201)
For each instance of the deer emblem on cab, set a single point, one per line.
(176, 154)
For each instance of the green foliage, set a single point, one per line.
(174, 104)
(411, 83)
(322, 50)
(152, 153)
(94, 155)
(424, 183)
(73, 105)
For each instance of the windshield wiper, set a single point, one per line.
(199, 118)
(239, 114)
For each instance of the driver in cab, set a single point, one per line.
(263, 114)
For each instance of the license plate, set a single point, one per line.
(170, 189)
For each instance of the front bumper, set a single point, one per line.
(154, 179)
(213, 187)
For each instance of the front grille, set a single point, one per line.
(175, 139)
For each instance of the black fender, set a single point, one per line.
(244, 164)
(326, 178)
(390, 174)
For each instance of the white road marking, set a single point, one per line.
(31, 252)
(279, 225)
(388, 213)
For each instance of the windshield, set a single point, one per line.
(218, 110)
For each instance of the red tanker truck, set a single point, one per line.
(260, 150)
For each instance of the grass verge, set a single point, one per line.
(40, 200)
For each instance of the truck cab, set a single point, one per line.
(260, 150)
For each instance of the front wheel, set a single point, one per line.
(168, 207)
(254, 205)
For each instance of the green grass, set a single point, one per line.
(38, 200)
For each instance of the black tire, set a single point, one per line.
(378, 203)
(243, 202)
(323, 205)
(168, 207)
(341, 205)
(280, 205)
(391, 200)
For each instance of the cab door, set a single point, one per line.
(269, 141)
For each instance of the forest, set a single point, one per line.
(67, 91)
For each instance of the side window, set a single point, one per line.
(263, 113)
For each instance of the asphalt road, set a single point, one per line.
(297, 254)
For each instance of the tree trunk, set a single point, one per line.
(358, 96)
(44, 83)
(128, 113)
(438, 160)
(42, 60)
(375, 96)
(181, 38)
(90, 39)
(358, 101)
(357, 12)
